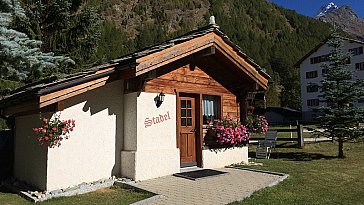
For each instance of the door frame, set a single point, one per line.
(198, 123)
(199, 117)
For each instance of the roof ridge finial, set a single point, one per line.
(212, 22)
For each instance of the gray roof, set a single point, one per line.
(53, 83)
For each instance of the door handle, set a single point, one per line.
(194, 130)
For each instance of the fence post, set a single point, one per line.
(300, 136)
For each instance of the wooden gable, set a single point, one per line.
(195, 81)
(200, 47)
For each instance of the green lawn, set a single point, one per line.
(316, 176)
(113, 195)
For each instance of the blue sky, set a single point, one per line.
(311, 7)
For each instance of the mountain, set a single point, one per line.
(326, 9)
(344, 18)
(274, 37)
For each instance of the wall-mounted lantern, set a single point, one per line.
(159, 99)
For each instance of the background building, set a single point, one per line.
(311, 74)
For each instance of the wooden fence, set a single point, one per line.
(298, 130)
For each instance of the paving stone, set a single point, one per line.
(214, 190)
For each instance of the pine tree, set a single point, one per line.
(20, 57)
(340, 120)
(66, 27)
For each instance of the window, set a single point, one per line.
(210, 108)
(313, 102)
(356, 51)
(312, 88)
(348, 61)
(187, 112)
(359, 66)
(319, 59)
(324, 72)
(311, 74)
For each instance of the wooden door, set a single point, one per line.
(187, 138)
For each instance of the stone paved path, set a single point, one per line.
(317, 139)
(222, 189)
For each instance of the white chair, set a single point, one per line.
(265, 147)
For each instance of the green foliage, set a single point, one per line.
(113, 43)
(274, 37)
(66, 27)
(340, 120)
(20, 57)
(7, 85)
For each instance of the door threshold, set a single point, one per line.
(189, 164)
(189, 169)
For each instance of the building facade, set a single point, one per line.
(142, 116)
(312, 73)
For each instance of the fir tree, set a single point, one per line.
(340, 119)
(20, 57)
(66, 27)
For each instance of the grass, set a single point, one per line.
(112, 195)
(316, 176)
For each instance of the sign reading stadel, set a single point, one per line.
(156, 120)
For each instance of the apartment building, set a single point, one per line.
(311, 74)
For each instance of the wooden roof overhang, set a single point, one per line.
(209, 49)
(211, 52)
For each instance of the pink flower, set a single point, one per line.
(51, 135)
(54, 129)
(45, 126)
(64, 122)
(35, 129)
(71, 129)
(45, 120)
(44, 130)
(46, 138)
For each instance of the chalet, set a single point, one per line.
(141, 116)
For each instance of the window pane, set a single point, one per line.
(183, 121)
(189, 121)
(183, 113)
(189, 113)
(188, 103)
(183, 103)
(210, 108)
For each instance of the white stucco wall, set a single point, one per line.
(306, 66)
(217, 158)
(149, 151)
(91, 153)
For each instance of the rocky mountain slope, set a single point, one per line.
(344, 18)
(274, 37)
